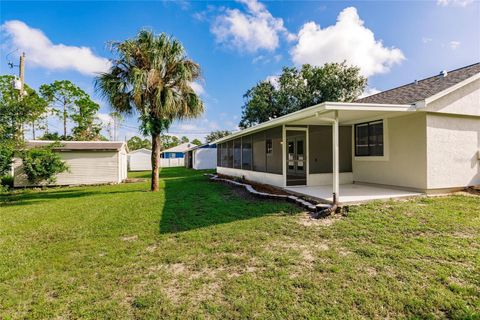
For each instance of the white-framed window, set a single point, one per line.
(369, 139)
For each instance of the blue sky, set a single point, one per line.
(240, 43)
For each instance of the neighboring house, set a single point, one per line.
(89, 162)
(201, 157)
(177, 151)
(140, 160)
(420, 137)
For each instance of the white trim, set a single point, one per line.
(336, 163)
(307, 156)
(307, 151)
(448, 90)
(368, 106)
(296, 128)
(386, 144)
(284, 155)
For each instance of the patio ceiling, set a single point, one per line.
(346, 117)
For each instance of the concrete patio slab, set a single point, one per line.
(352, 193)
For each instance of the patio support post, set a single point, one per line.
(336, 170)
(284, 155)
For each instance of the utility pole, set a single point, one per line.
(21, 70)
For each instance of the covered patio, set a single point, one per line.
(341, 190)
(334, 152)
(351, 193)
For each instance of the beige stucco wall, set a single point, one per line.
(85, 167)
(465, 100)
(453, 150)
(404, 163)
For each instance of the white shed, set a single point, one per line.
(140, 160)
(89, 162)
(201, 157)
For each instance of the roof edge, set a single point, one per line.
(451, 89)
(317, 109)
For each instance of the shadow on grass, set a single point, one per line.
(192, 201)
(36, 197)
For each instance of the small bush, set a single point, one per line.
(42, 165)
(6, 156)
(6, 181)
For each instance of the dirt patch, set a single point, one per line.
(134, 180)
(344, 252)
(307, 221)
(241, 192)
(151, 248)
(470, 191)
(130, 238)
(372, 272)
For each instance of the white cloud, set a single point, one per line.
(347, 40)
(264, 59)
(253, 30)
(40, 51)
(426, 40)
(456, 3)
(198, 88)
(105, 118)
(273, 81)
(454, 45)
(199, 128)
(369, 91)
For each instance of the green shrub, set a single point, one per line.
(42, 165)
(7, 181)
(6, 156)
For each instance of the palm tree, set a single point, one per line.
(152, 76)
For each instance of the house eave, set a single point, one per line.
(317, 111)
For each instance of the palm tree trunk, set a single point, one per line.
(156, 145)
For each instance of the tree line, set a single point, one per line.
(298, 88)
(167, 142)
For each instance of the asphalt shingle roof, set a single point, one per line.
(422, 89)
(180, 148)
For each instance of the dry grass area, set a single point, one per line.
(200, 249)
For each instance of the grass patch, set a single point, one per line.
(199, 249)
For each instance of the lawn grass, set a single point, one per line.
(201, 249)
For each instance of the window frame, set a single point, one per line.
(369, 157)
(268, 149)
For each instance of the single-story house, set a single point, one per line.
(177, 151)
(423, 137)
(201, 157)
(89, 162)
(140, 160)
